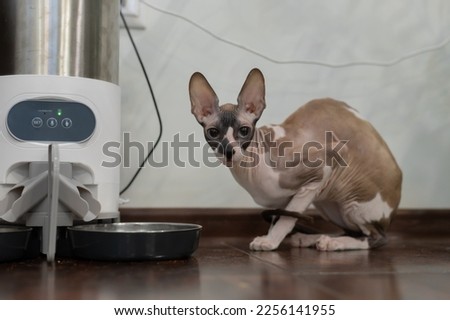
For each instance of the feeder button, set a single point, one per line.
(66, 123)
(36, 122)
(52, 123)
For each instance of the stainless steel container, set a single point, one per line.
(60, 37)
(135, 241)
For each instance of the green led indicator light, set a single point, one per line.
(59, 112)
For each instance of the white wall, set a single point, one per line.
(408, 102)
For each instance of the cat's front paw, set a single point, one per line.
(263, 243)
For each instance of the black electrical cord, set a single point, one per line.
(154, 103)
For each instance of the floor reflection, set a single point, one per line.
(224, 268)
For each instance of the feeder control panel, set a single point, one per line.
(51, 120)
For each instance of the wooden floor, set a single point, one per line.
(414, 265)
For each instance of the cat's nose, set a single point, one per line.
(229, 152)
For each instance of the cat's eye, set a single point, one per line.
(213, 133)
(244, 131)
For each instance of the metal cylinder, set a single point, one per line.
(60, 37)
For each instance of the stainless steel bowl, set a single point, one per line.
(134, 241)
(13, 242)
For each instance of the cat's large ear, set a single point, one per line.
(204, 101)
(251, 99)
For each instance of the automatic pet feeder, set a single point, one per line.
(59, 105)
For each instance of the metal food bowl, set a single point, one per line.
(13, 242)
(134, 241)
